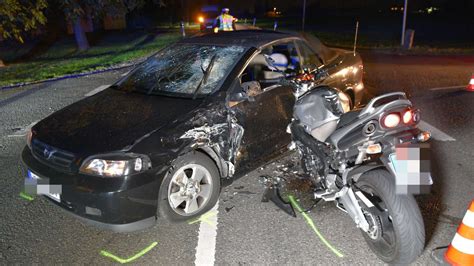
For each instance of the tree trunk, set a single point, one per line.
(81, 38)
(1, 63)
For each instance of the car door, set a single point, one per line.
(265, 117)
(344, 69)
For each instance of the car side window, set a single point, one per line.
(286, 59)
(309, 58)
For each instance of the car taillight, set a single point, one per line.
(391, 120)
(407, 117)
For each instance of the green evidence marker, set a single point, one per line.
(311, 224)
(132, 258)
(26, 196)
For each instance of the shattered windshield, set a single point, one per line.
(179, 70)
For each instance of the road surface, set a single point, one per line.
(248, 231)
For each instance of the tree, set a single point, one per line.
(18, 17)
(75, 10)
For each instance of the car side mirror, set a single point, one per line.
(241, 97)
(245, 91)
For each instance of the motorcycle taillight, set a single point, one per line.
(391, 120)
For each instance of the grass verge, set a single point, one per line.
(62, 58)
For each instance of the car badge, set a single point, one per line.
(48, 153)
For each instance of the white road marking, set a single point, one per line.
(206, 247)
(22, 132)
(96, 90)
(448, 88)
(435, 133)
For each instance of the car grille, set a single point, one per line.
(52, 156)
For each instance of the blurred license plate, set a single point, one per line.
(393, 160)
(54, 196)
(42, 189)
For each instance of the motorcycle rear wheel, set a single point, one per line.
(397, 233)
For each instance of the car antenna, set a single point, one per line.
(355, 37)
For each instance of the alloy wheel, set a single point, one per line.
(190, 189)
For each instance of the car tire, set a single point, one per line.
(182, 197)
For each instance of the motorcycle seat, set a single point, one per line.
(348, 118)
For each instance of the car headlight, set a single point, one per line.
(115, 165)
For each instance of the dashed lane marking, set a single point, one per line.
(448, 88)
(206, 247)
(435, 133)
(97, 90)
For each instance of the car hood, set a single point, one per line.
(109, 121)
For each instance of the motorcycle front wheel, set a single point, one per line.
(397, 232)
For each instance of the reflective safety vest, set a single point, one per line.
(225, 22)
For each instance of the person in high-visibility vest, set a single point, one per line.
(224, 22)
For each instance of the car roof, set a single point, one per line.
(248, 38)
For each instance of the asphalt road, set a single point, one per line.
(248, 231)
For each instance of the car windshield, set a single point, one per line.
(178, 70)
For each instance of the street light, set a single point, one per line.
(404, 22)
(304, 14)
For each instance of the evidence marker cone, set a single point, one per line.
(461, 250)
(470, 87)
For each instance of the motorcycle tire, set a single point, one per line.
(401, 231)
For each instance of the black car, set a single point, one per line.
(165, 138)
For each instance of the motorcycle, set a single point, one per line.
(358, 159)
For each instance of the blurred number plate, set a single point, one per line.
(54, 196)
(393, 160)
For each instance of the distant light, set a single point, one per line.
(201, 19)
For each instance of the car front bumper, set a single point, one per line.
(118, 204)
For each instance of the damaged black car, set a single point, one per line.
(164, 139)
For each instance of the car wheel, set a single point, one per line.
(191, 188)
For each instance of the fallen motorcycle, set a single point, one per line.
(368, 161)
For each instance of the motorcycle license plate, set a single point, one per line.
(393, 160)
(411, 165)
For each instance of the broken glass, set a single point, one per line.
(178, 70)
